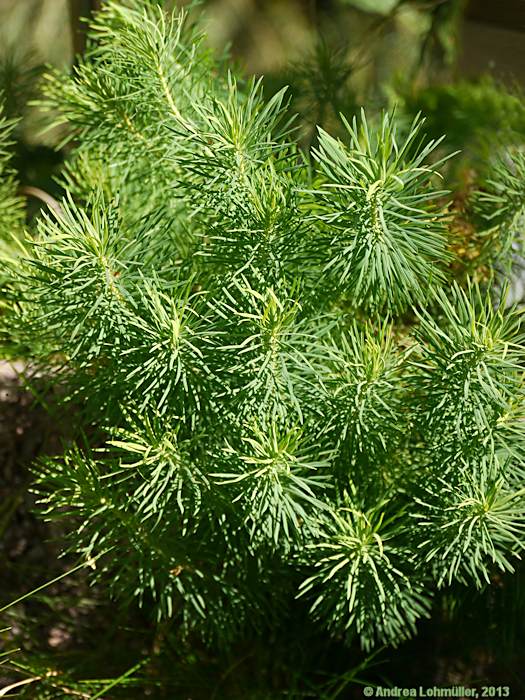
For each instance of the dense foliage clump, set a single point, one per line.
(285, 392)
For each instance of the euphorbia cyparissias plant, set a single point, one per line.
(290, 397)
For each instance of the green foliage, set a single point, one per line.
(385, 228)
(469, 377)
(11, 205)
(363, 581)
(470, 380)
(321, 88)
(500, 206)
(19, 73)
(361, 390)
(472, 114)
(473, 524)
(276, 396)
(278, 481)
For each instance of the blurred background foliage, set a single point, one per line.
(334, 54)
(459, 62)
(463, 65)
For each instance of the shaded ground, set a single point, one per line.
(65, 619)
